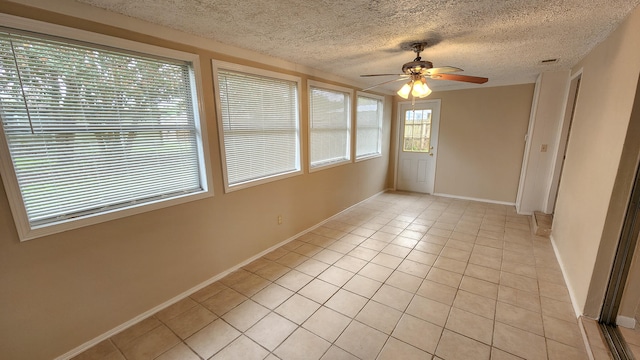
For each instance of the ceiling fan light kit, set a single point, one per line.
(419, 70)
(416, 87)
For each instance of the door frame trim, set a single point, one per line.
(527, 143)
(562, 141)
(399, 120)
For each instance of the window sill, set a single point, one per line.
(327, 165)
(368, 157)
(261, 181)
(26, 232)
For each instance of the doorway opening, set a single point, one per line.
(563, 142)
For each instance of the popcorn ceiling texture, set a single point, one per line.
(500, 39)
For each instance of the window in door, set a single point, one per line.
(417, 131)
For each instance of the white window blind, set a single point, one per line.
(260, 123)
(368, 127)
(330, 119)
(93, 129)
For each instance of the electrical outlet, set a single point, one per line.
(543, 148)
(279, 219)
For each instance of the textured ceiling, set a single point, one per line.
(504, 40)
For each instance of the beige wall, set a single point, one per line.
(481, 141)
(589, 208)
(60, 291)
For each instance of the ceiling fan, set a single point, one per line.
(418, 70)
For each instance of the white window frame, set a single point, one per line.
(24, 229)
(347, 91)
(222, 65)
(380, 127)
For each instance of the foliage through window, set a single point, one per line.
(368, 127)
(330, 122)
(417, 131)
(93, 129)
(260, 124)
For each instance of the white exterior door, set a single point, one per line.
(417, 146)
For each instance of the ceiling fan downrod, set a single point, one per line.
(418, 48)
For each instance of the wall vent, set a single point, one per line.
(549, 61)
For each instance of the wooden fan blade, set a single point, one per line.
(382, 83)
(370, 75)
(465, 78)
(442, 70)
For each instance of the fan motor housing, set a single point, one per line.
(416, 67)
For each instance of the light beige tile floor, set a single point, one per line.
(400, 276)
(632, 337)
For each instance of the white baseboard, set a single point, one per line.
(475, 199)
(625, 321)
(194, 289)
(576, 307)
(585, 338)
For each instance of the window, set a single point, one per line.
(94, 132)
(329, 124)
(417, 131)
(368, 126)
(259, 119)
